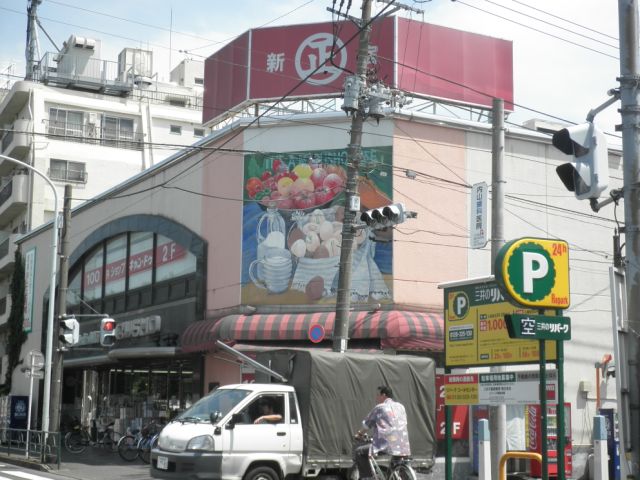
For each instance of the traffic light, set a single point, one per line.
(69, 331)
(588, 174)
(383, 217)
(107, 332)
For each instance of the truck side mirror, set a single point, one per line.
(235, 418)
(214, 416)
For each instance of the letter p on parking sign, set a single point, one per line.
(534, 272)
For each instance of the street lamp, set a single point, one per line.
(52, 290)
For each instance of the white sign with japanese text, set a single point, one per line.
(478, 216)
(503, 388)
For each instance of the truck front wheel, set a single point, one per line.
(262, 473)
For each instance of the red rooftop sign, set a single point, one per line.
(267, 64)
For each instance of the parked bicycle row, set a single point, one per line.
(135, 443)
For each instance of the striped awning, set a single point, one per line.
(400, 330)
(198, 337)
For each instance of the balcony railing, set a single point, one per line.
(173, 99)
(77, 71)
(92, 134)
(7, 139)
(4, 247)
(6, 192)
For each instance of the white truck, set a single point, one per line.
(321, 402)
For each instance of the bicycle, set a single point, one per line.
(399, 467)
(138, 443)
(79, 438)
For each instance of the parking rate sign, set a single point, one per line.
(476, 332)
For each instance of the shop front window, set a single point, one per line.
(132, 262)
(115, 268)
(141, 260)
(74, 293)
(172, 260)
(93, 275)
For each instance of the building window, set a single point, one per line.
(198, 132)
(115, 271)
(66, 171)
(92, 284)
(198, 81)
(141, 259)
(66, 123)
(140, 264)
(176, 129)
(117, 132)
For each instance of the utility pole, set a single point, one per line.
(354, 154)
(32, 52)
(497, 414)
(55, 406)
(630, 113)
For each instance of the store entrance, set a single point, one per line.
(133, 395)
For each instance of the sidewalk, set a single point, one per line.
(92, 464)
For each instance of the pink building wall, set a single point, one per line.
(433, 247)
(222, 184)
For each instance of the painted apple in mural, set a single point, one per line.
(323, 195)
(304, 200)
(318, 176)
(333, 182)
(338, 170)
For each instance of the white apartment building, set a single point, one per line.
(91, 123)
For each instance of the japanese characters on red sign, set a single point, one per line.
(309, 60)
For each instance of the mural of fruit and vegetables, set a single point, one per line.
(292, 227)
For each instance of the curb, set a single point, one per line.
(22, 462)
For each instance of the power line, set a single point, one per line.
(538, 30)
(565, 20)
(551, 24)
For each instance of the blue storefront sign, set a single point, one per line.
(19, 411)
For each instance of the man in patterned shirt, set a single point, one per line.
(388, 420)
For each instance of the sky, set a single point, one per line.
(564, 63)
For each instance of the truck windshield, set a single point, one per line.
(221, 400)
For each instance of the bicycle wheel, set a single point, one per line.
(111, 439)
(128, 448)
(144, 449)
(76, 441)
(378, 473)
(403, 472)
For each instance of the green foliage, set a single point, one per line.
(16, 336)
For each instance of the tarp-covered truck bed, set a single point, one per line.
(336, 391)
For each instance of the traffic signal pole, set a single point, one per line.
(354, 153)
(630, 113)
(55, 405)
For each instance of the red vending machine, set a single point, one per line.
(535, 438)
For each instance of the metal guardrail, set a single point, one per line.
(31, 445)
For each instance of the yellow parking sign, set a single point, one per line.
(534, 272)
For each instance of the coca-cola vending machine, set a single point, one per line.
(535, 438)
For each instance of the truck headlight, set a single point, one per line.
(203, 442)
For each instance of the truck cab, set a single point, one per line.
(218, 437)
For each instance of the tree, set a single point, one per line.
(16, 335)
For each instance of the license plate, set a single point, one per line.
(163, 463)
